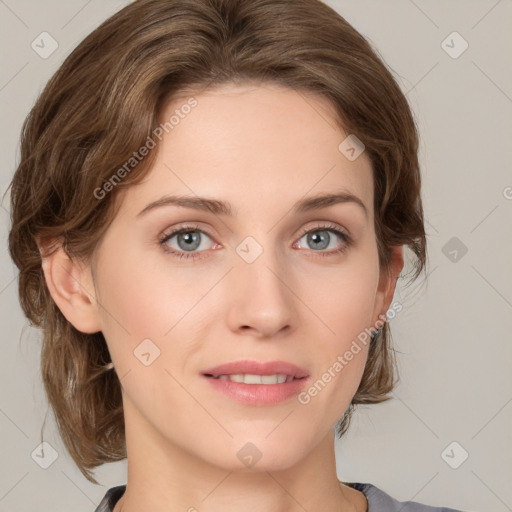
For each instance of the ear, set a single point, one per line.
(387, 284)
(71, 286)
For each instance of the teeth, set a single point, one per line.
(248, 378)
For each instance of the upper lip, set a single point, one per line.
(257, 368)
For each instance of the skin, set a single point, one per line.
(260, 148)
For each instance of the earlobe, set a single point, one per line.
(71, 287)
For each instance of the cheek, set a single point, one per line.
(143, 316)
(345, 306)
(346, 299)
(145, 300)
(134, 302)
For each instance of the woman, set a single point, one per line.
(176, 176)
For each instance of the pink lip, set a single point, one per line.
(257, 368)
(258, 394)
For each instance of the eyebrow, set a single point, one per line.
(222, 208)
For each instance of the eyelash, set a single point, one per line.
(347, 241)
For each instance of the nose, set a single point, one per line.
(261, 301)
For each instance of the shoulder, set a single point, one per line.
(380, 501)
(110, 499)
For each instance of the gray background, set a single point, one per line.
(453, 332)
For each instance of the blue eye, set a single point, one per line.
(189, 237)
(189, 240)
(320, 236)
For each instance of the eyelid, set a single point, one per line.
(306, 229)
(327, 225)
(169, 233)
(341, 233)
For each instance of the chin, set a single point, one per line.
(258, 454)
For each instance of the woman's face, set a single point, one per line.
(250, 285)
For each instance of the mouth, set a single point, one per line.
(257, 383)
(248, 378)
(256, 372)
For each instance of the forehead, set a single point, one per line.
(251, 144)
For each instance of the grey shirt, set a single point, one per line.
(378, 500)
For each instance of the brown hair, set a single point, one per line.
(101, 106)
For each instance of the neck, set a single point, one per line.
(163, 476)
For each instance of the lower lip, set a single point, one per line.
(258, 394)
